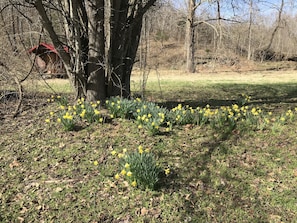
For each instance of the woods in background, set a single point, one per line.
(197, 31)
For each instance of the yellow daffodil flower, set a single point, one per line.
(123, 172)
(117, 176)
(167, 171)
(134, 183)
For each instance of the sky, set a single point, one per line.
(265, 7)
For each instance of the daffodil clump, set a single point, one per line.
(148, 115)
(182, 115)
(139, 168)
(223, 119)
(64, 116)
(155, 119)
(202, 115)
(244, 99)
(152, 118)
(121, 108)
(70, 115)
(88, 111)
(60, 100)
(67, 119)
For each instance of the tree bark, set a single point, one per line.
(190, 37)
(48, 25)
(219, 21)
(96, 88)
(249, 56)
(125, 35)
(102, 37)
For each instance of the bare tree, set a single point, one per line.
(102, 38)
(265, 51)
(249, 56)
(278, 24)
(219, 23)
(190, 35)
(19, 30)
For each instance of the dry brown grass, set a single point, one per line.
(217, 77)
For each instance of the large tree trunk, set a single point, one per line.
(102, 37)
(125, 36)
(122, 61)
(96, 88)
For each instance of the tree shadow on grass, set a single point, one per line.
(268, 94)
(195, 178)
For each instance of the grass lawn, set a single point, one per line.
(250, 175)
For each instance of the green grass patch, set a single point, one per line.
(52, 175)
(50, 86)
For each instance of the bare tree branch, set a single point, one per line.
(280, 12)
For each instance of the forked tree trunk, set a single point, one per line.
(123, 54)
(103, 37)
(125, 30)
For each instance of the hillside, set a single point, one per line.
(171, 55)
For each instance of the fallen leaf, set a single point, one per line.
(156, 212)
(58, 189)
(14, 164)
(21, 219)
(144, 211)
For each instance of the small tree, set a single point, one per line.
(102, 37)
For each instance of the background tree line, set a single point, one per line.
(217, 30)
(251, 29)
